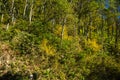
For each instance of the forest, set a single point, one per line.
(59, 39)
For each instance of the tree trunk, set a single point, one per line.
(2, 17)
(63, 27)
(112, 32)
(116, 36)
(78, 30)
(53, 23)
(75, 30)
(24, 13)
(12, 11)
(87, 29)
(7, 26)
(90, 24)
(44, 9)
(31, 11)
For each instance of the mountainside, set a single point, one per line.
(59, 40)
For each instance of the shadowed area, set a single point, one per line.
(10, 76)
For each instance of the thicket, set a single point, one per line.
(59, 40)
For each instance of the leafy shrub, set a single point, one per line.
(102, 67)
(92, 44)
(24, 42)
(6, 35)
(47, 48)
(21, 25)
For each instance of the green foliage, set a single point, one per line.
(102, 67)
(59, 40)
(5, 35)
(24, 43)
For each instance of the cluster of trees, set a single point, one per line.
(60, 39)
(86, 17)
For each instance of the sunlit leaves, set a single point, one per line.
(47, 48)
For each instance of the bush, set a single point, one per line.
(102, 67)
(24, 43)
(6, 35)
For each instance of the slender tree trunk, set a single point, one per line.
(24, 13)
(12, 11)
(31, 11)
(116, 36)
(102, 32)
(90, 22)
(78, 30)
(7, 26)
(79, 17)
(13, 18)
(44, 10)
(87, 28)
(62, 33)
(2, 17)
(117, 24)
(53, 23)
(63, 27)
(108, 34)
(75, 30)
(112, 32)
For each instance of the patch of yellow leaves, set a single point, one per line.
(58, 31)
(94, 45)
(47, 48)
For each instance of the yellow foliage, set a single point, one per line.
(47, 48)
(62, 75)
(94, 45)
(92, 27)
(58, 31)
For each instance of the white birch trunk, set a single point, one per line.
(12, 11)
(53, 23)
(24, 13)
(7, 26)
(2, 17)
(31, 11)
